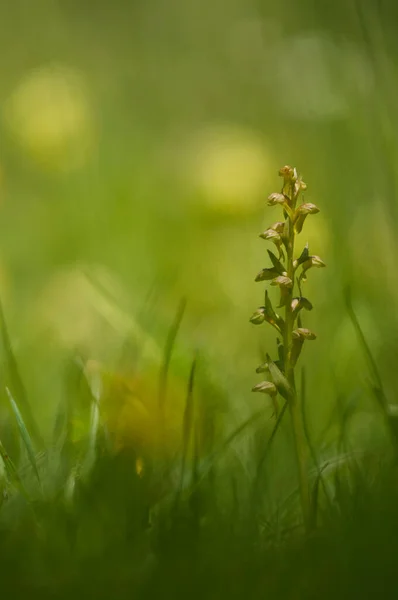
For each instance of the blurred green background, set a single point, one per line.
(139, 142)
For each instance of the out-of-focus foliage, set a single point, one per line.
(138, 144)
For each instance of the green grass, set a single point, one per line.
(77, 519)
(185, 113)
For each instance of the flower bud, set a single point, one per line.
(264, 368)
(299, 303)
(304, 334)
(301, 214)
(317, 262)
(276, 198)
(307, 209)
(258, 317)
(271, 235)
(313, 261)
(288, 173)
(278, 226)
(299, 186)
(303, 185)
(282, 281)
(266, 387)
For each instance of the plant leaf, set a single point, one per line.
(282, 384)
(304, 255)
(266, 275)
(276, 263)
(273, 318)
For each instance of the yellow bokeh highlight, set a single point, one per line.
(130, 409)
(230, 166)
(50, 115)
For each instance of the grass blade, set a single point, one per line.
(187, 426)
(168, 350)
(15, 380)
(24, 434)
(377, 386)
(319, 479)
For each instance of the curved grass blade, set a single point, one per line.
(15, 381)
(266, 449)
(208, 463)
(24, 434)
(168, 350)
(95, 385)
(319, 479)
(377, 386)
(188, 419)
(11, 473)
(381, 395)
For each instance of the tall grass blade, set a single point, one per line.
(15, 381)
(377, 385)
(168, 351)
(381, 397)
(24, 434)
(208, 464)
(319, 479)
(92, 451)
(264, 455)
(195, 498)
(187, 426)
(9, 466)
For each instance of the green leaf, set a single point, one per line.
(304, 255)
(282, 384)
(297, 346)
(278, 266)
(273, 318)
(267, 275)
(286, 232)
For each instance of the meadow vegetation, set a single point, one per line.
(139, 147)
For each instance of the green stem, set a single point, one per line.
(294, 401)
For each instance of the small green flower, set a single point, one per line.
(266, 387)
(304, 334)
(258, 317)
(277, 198)
(282, 281)
(271, 235)
(300, 303)
(288, 173)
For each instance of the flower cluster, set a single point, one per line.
(287, 273)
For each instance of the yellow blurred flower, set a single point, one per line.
(51, 117)
(229, 166)
(131, 411)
